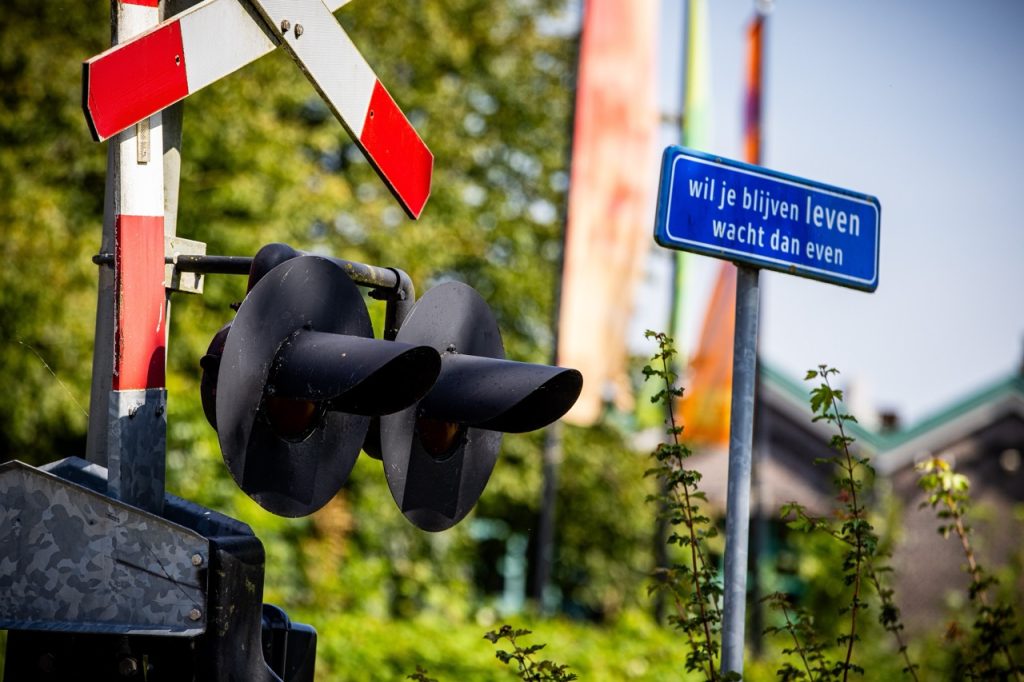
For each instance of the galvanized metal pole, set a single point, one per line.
(741, 436)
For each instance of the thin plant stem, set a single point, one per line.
(887, 603)
(857, 514)
(975, 570)
(791, 627)
(681, 613)
(697, 566)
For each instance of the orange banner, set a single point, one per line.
(707, 402)
(707, 398)
(755, 75)
(611, 197)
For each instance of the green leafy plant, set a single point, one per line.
(420, 676)
(528, 668)
(862, 558)
(988, 655)
(799, 626)
(692, 584)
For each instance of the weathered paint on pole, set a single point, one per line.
(741, 436)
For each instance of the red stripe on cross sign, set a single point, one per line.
(144, 3)
(402, 159)
(118, 93)
(140, 339)
(354, 93)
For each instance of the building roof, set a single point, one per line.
(960, 419)
(894, 451)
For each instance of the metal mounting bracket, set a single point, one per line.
(176, 279)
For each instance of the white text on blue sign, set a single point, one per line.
(766, 219)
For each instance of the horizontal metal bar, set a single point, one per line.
(223, 265)
(367, 275)
(371, 276)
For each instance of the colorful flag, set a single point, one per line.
(611, 197)
(696, 133)
(697, 119)
(707, 402)
(752, 110)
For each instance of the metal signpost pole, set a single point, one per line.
(759, 218)
(741, 436)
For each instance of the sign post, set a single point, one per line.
(759, 218)
(741, 438)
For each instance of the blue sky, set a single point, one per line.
(918, 103)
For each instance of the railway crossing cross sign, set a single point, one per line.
(135, 79)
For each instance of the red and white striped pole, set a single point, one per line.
(127, 424)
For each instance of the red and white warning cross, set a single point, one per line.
(138, 78)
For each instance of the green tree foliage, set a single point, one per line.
(51, 201)
(486, 83)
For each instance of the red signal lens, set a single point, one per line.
(292, 419)
(439, 438)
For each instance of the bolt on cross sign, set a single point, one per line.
(134, 80)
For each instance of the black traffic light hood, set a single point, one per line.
(477, 396)
(302, 337)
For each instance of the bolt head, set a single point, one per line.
(197, 560)
(195, 614)
(128, 667)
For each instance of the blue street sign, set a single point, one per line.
(766, 219)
